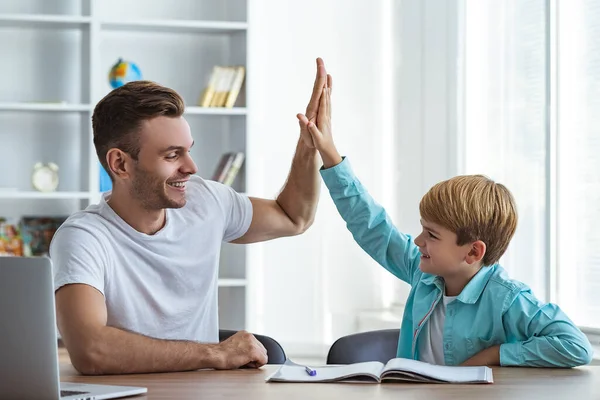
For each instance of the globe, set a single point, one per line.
(123, 72)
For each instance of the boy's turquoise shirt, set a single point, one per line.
(492, 309)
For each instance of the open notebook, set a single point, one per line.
(396, 370)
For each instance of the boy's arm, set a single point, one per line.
(369, 223)
(541, 335)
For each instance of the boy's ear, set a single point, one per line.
(476, 252)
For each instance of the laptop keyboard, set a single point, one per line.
(65, 393)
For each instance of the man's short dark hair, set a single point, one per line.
(118, 116)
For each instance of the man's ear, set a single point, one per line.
(476, 252)
(119, 163)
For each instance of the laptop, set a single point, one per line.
(28, 341)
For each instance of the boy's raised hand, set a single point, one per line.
(320, 130)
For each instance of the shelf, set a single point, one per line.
(60, 107)
(215, 111)
(174, 26)
(20, 195)
(232, 282)
(88, 108)
(43, 21)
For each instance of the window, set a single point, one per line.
(532, 121)
(505, 97)
(578, 167)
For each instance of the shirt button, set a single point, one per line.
(447, 346)
(451, 313)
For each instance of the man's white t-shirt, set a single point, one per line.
(431, 344)
(163, 285)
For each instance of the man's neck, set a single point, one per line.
(133, 213)
(456, 283)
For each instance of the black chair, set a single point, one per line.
(379, 345)
(275, 352)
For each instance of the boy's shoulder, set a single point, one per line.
(501, 279)
(501, 286)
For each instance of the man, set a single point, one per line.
(136, 276)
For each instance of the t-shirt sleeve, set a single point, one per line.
(77, 257)
(237, 210)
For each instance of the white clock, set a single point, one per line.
(45, 177)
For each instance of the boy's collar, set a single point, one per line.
(470, 294)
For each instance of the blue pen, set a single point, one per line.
(310, 371)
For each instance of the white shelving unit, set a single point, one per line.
(57, 55)
(44, 196)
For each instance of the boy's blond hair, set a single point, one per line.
(475, 208)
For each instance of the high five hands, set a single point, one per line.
(315, 125)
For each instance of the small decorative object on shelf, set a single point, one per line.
(11, 243)
(123, 72)
(223, 87)
(45, 177)
(37, 233)
(105, 181)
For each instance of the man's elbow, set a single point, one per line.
(302, 226)
(87, 360)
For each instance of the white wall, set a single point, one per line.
(309, 288)
(391, 83)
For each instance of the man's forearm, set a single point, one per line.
(114, 351)
(300, 195)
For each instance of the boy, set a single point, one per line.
(462, 309)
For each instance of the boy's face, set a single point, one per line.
(440, 255)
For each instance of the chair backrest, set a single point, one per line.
(381, 345)
(275, 352)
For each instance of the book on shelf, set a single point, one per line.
(395, 370)
(228, 167)
(236, 86)
(224, 80)
(223, 86)
(209, 91)
(223, 166)
(234, 169)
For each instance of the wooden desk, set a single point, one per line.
(510, 383)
